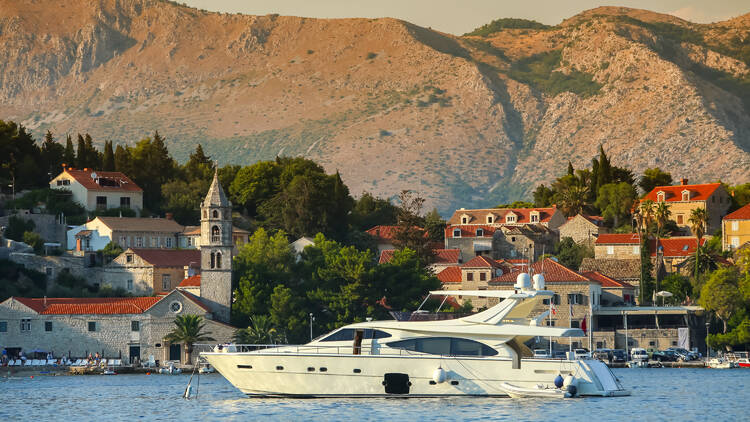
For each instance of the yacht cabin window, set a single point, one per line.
(448, 346)
(347, 334)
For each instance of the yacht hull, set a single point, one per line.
(259, 374)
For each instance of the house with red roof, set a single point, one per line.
(442, 258)
(735, 229)
(583, 228)
(94, 189)
(684, 198)
(672, 252)
(150, 271)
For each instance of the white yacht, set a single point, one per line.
(478, 355)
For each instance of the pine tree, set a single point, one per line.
(52, 153)
(605, 169)
(93, 156)
(108, 160)
(81, 153)
(122, 159)
(571, 171)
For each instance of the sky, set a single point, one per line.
(461, 16)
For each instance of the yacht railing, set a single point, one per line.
(293, 349)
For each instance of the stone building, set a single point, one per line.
(100, 189)
(669, 256)
(133, 327)
(683, 198)
(735, 229)
(127, 232)
(622, 270)
(618, 246)
(583, 228)
(149, 271)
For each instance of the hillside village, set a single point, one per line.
(600, 275)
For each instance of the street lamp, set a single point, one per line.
(312, 318)
(708, 349)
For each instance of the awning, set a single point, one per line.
(84, 233)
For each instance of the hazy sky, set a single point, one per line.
(462, 16)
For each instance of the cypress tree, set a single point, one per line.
(93, 156)
(69, 156)
(605, 169)
(81, 155)
(571, 171)
(108, 160)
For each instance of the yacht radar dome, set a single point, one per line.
(523, 281)
(538, 282)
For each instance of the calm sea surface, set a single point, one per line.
(657, 394)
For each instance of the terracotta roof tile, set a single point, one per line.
(120, 181)
(386, 233)
(677, 246)
(674, 193)
(606, 281)
(89, 306)
(450, 275)
(479, 216)
(481, 262)
(553, 272)
(741, 214)
(386, 256)
(135, 224)
(192, 281)
(169, 257)
(442, 256)
(620, 269)
(470, 230)
(618, 239)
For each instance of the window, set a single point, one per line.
(512, 238)
(101, 202)
(63, 182)
(686, 195)
(735, 242)
(652, 343)
(189, 241)
(482, 276)
(445, 346)
(122, 240)
(216, 214)
(489, 219)
(130, 285)
(575, 324)
(168, 242)
(535, 218)
(680, 219)
(660, 196)
(138, 242)
(166, 281)
(510, 218)
(175, 307)
(218, 259)
(735, 226)
(610, 250)
(575, 299)
(92, 326)
(347, 334)
(215, 234)
(464, 220)
(48, 271)
(550, 323)
(124, 202)
(47, 326)
(480, 232)
(25, 325)
(469, 276)
(456, 232)
(135, 326)
(636, 250)
(3, 326)
(154, 242)
(129, 258)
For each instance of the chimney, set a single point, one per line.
(85, 169)
(169, 216)
(684, 181)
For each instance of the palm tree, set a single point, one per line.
(189, 330)
(574, 199)
(706, 260)
(260, 331)
(661, 216)
(647, 212)
(697, 220)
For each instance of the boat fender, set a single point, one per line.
(558, 381)
(571, 385)
(439, 375)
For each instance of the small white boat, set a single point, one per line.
(206, 368)
(170, 370)
(110, 370)
(638, 364)
(719, 363)
(539, 391)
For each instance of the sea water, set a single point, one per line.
(662, 394)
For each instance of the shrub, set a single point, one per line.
(35, 241)
(506, 23)
(540, 72)
(17, 226)
(371, 55)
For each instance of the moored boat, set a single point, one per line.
(478, 355)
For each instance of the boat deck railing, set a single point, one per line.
(293, 349)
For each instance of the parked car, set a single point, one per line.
(541, 353)
(619, 355)
(638, 354)
(684, 354)
(582, 353)
(604, 355)
(665, 356)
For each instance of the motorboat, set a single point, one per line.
(110, 370)
(170, 370)
(719, 363)
(206, 368)
(739, 359)
(478, 355)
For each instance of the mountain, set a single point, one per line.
(467, 120)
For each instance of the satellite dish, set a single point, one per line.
(93, 175)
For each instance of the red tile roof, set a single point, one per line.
(442, 256)
(386, 256)
(553, 272)
(120, 181)
(481, 262)
(169, 257)
(741, 214)
(677, 246)
(89, 306)
(192, 281)
(480, 216)
(450, 275)
(386, 233)
(470, 230)
(618, 239)
(607, 281)
(674, 193)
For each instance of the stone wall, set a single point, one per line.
(46, 225)
(53, 265)
(580, 229)
(628, 251)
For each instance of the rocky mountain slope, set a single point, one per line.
(466, 120)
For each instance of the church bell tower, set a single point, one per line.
(216, 251)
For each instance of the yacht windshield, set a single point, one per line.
(447, 346)
(347, 334)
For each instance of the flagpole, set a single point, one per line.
(550, 324)
(570, 324)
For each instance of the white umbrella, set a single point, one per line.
(665, 293)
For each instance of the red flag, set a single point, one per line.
(583, 325)
(553, 309)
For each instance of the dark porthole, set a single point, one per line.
(245, 366)
(357, 370)
(310, 369)
(454, 382)
(323, 369)
(432, 382)
(279, 368)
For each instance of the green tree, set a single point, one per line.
(151, 167)
(543, 196)
(571, 171)
(111, 250)
(108, 159)
(35, 241)
(516, 204)
(19, 158)
(604, 174)
(435, 226)
(288, 312)
(17, 226)
(615, 201)
(571, 197)
(698, 219)
(409, 232)
(571, 254)
(69, 156)
(653, 177)
(370, 211)
(51, 154)
(255, 185)
(661, 217)
(260, 331)
(123, 160)
(720, 294)
(188, 330)
(679, 286)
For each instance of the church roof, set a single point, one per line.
(216, 195)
